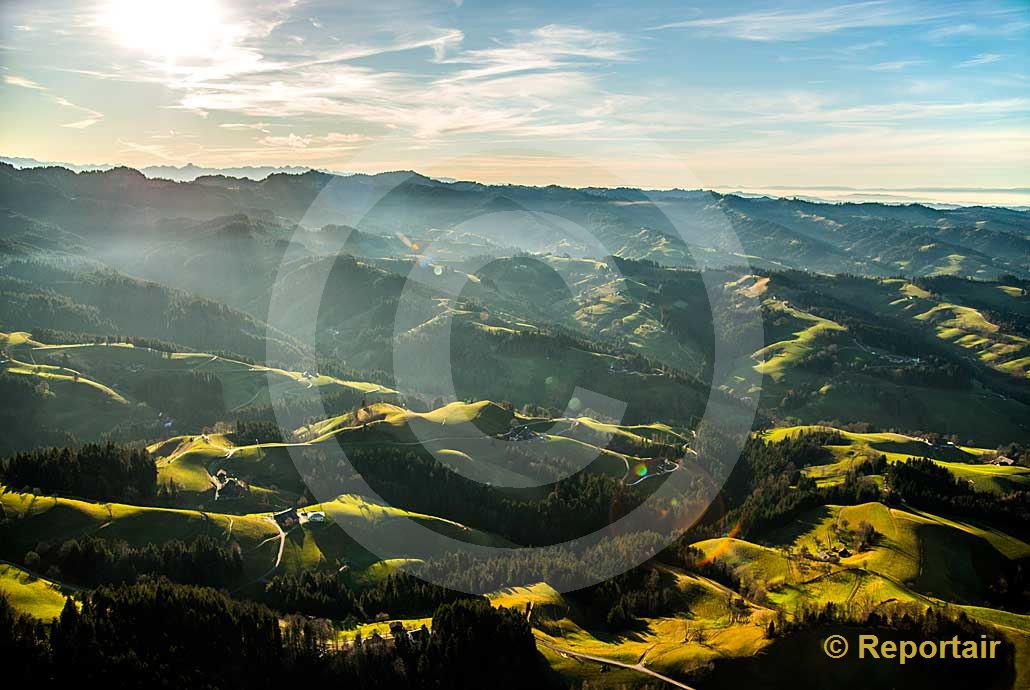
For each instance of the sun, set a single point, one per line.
(169, 29)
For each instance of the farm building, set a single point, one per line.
(227, 487)
(287, 519)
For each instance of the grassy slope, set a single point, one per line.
(392, 423)
(323, 546)
(454, 433)
(966, 326)
(30, 594)
(50, 374)
(922, 558)
(88, 406)
(78, 404)
(311, 546)
(40, 519)
(863, 389)
(929, 554)
(776, 358)
(963, 461)
(183, 460)
(659, 644)
(189, 462)
(591, 300)
(459, 435)
(242, 383)
(972, 414)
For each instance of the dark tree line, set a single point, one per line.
(328, 595)
(619, 601)
(767, 487)
(246, 432)
(575, 506)
(74, 301)
(925, 484)
(23, 414)
(163, 635)
(192, 399)
(563, 567)
(103, 472)
(94, 561)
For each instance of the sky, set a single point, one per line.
(880, 94)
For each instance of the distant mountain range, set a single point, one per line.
(1017, 198)
(937, 197)
(867, 310)
(177, 173)
(677, 228)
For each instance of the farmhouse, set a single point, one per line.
(232, 488)
(521, 433)
(227, 487)
(287, 519)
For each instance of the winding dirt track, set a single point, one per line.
(601, 660)
(279, 555)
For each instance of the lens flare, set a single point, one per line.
(723, 545)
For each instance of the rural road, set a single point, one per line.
(282, 545)
(601, 660)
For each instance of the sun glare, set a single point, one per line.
(169, 29)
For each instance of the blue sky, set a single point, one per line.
(865, 94)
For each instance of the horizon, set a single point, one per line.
(871, 95)
(1015, 198)
(462, 344)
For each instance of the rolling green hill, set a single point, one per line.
(917, 558)
(855, 448)
(36, 519)
(30, 594)
(462, 436)
(93, 388)
(895, 355)
(310, 546)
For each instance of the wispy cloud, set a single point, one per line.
(92, 116)
(894, 66)
(964, 29)
(24, 83)
(290, 141)
(998, 24)
(981, 59)
(529, 83)
(546, 48)
(294, 141)
(742, 113)
(244, 126)
(868, 45)
(798, 25)
(287, 81)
